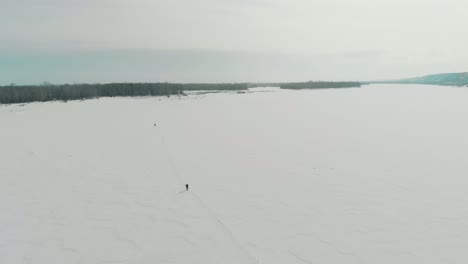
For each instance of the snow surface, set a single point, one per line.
(370, 175)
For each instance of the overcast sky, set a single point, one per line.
(388, 38)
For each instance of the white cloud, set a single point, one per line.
(420, 31)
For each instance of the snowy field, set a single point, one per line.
(371, 175)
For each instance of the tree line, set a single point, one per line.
(319, 85)
(214, 86)
(49, 92)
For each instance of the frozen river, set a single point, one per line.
(377, 174)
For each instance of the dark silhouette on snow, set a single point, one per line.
(186, 187)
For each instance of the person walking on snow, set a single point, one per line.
(186, 187)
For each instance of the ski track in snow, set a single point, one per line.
(301, 259)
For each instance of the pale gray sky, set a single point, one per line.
(394, 37)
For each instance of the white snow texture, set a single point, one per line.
(369, 175)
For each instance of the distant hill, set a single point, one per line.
(451, 79)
